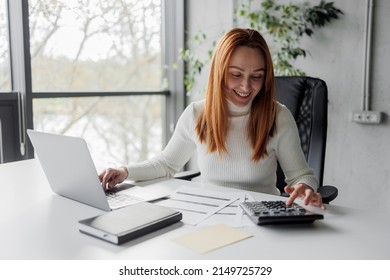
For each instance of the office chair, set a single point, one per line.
(307, 99)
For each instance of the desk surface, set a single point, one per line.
(38, 224)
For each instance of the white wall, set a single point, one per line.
(358, 156)
(212, 18)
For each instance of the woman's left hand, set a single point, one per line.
(305, 193)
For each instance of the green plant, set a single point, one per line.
(286, 24)
(193, 62)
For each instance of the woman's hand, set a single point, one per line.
(305, 193)
(112, 176)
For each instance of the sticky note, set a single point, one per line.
(209, 238)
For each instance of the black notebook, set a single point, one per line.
(130, 222)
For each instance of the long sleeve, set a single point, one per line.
(175, 155)
(235, 169)
(289, 152)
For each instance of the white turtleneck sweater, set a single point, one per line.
(235, 169)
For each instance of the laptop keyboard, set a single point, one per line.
(118, 200)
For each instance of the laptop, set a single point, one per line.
(70, 171)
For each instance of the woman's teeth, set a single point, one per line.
(242, 94)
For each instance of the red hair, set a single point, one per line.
(212, 124)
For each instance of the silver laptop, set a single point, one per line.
(70, 171)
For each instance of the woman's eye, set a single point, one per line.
(236, 75)
(257, 77)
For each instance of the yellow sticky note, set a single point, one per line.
(212, 237)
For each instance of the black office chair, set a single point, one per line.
(307, 99)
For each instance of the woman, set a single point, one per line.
(239, 131)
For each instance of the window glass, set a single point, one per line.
(5, 77)
(99, 46)
(118, 130)
(95, 45)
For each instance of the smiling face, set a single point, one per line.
(245, 75)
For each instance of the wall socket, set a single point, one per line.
(367, 117)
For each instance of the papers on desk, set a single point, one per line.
(203, 207)
(216, 213)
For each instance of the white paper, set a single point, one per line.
(198, 204)
(231, 215)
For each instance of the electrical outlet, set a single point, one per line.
(367, 117)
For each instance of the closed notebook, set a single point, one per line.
(129, 222)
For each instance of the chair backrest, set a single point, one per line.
(307, 99)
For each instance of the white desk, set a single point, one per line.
(37, 224)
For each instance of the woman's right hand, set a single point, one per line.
(110, 177)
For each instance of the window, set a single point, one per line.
(94, 45)
(91, 64)
(117, 129)
(5, 77)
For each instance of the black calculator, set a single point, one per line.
(277, 212)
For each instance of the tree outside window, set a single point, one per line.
(109, 47)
